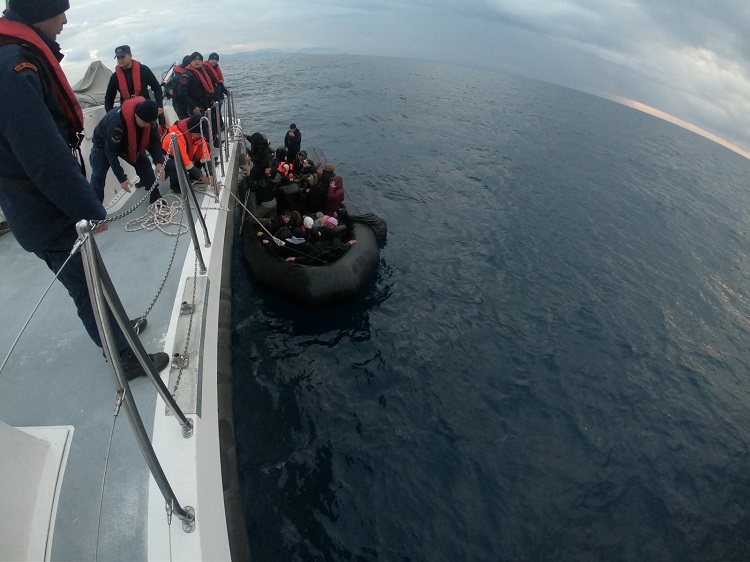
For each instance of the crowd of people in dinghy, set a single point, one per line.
(297, 201)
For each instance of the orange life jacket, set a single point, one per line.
(137, 137)
(15, 32)
(122, 82)
(190, 148)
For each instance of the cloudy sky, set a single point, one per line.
(688, 58)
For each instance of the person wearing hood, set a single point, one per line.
(127, 132)
(43, 190)
(131, 79)
(335, 195)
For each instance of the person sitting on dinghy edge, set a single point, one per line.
(43, 191)
(127, 132)
(131, 79)
(194, 151)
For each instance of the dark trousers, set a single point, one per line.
(100, 167)
(74, 280)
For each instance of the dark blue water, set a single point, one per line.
(552, 362)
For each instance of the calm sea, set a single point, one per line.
(552, 362)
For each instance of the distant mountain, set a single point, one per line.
(272, 52)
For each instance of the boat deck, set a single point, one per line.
(57, 377)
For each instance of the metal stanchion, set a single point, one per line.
(89, 254)
(186, 189)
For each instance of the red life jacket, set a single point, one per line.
(205, 80)
(18, 33)
(215, 71)
(137, 137)
(122, 82)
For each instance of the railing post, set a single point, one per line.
(217, 114)
(186, 190)
(211, 164)
(90, 259)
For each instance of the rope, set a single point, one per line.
(160, 215)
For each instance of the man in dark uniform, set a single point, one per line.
(43, 192)
(217, 81)
(177, 86)
(197, 86)
(130, 79)
(114, 139)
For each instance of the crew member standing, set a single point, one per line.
(43, 191)
(197, 85)
(127, 132)
(217, 80)
(131, 79)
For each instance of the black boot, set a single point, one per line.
(132, 366)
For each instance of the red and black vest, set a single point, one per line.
(18, 33)
(122, 81)
(137, 137)
(202, 76)
(215, 71)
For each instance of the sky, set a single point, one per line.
(684, 58)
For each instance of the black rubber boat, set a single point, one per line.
(315, 286)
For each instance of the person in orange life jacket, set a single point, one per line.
(131, 79)
(178, 88)
(43, 191)
(197, 84)
(127, 132)
(335, 195)
(193, 150)
(292, 142)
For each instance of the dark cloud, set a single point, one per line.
(690, 58)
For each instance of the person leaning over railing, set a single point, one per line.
(194, 151)
(42, 188)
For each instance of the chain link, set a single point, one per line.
(190, 329)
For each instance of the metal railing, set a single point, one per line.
(104, 298)
(189, 194)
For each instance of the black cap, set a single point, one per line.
(40, 10)
(147, 110)
(196, 55)
(292, 126)
(121, 51)
(213, 56)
